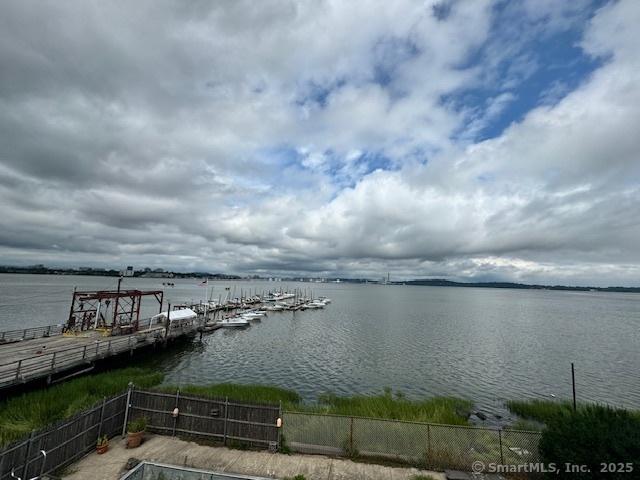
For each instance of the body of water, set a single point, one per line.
(487, 345)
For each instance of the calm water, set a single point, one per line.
(483, 344)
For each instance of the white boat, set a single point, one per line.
(274, 308)
(314, 305)
(253, 315)
(278, 307)
(324, 300)
(235, 322)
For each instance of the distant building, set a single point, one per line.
(128, 272)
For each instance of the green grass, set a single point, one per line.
(539, 410)
(33, 410)
(542, 411)
(436, 410)
(448, 410)
(243, 393)
(527, 425)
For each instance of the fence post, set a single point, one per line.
(280, 428)
(350, 452)
(126, 410)
(500, 440)
(104, 402)
(175, 417)
(226, 417)
(25, 470)
(428, 445)
(53, 361)
(18, 369)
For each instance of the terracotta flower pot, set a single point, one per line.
(102, 449)
(134, 439)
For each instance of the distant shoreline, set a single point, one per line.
(221, 276)
(517, 286)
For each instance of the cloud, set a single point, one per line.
(323, 137)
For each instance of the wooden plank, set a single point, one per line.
(32, 359)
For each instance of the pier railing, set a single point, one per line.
(427, 445)
(19, 335)
(42, 363)
(68, 440)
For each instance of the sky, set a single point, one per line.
(469, 140)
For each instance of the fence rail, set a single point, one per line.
(9, 336)
(68, 440)
(217, 419)
(63, 442)
(430, 445)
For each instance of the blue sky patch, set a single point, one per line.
(537, 68)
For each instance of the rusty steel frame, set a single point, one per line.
(125, 308)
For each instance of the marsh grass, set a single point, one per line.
(244, 393)
(540, 410)
(33, 410)
(526, 425)
(449, 410)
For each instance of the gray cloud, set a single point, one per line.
(230, 136)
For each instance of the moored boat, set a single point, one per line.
(234, 322)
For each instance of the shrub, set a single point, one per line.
(592, 436)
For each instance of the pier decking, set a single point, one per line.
(24, 360)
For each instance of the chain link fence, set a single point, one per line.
(427, 445)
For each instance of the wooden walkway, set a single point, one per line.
(27, 360)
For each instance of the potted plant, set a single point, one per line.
(135, 432)
(102, 445)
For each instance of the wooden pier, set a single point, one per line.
(44, 352)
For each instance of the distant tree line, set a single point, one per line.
(522, 286)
